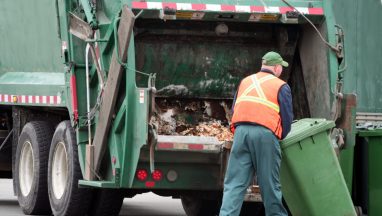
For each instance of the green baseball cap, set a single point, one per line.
(273, 58)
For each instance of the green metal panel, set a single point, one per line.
(29, 36)
(369, 55)
(374, 177)
(191, 176)
(362, 57)
(195, 170)
(202, 64)
(361, 21)
(30, 52)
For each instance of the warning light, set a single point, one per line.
(157, 175)
(142, 175)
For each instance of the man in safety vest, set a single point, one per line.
(262, 115)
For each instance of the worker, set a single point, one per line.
(262, 115)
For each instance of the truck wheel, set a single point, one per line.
(64, 171)
(194, 206)
(106, 202)
(31, 167)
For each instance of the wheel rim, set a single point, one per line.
(59, 170)
(26, 168)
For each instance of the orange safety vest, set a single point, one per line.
(256, 102)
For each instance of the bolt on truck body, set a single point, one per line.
(80, 82)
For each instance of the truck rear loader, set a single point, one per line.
(102, 99)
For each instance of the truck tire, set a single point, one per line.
(64, 171)
(106, 202)
(31, 167)
(194, 206)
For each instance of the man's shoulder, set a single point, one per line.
(285, 90)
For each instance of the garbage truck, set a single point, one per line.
(102, 100)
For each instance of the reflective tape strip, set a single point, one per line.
(30, 99)
(230, 8)
(184, 6)
(259, 90)
(172, 6)
(245, 9)
(303, 10)
(272, 9)
(51, 99)
(213, 7)
(260, 101)
(316, 11)
(154, 5)
(266, 78)
(186, 146)
(261, 80)
(222, 7)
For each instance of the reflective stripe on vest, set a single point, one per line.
(262, 99)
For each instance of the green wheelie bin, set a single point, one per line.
(311, 177)
(371, 166)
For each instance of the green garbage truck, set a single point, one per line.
(103, 99)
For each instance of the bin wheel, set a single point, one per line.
(358, 210)
(31, 167)
(64, 171)
(106, 202)
(195, 206)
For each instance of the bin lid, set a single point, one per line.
(305, 128)
(370, 133)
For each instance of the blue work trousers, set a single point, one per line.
(255, 149)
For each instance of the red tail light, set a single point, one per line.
(142, 175)
(157, 175)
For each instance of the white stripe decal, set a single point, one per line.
(272, 9)
(213, 7)
(217, 7)
(303, 10)
(154, 5)
(241, 8)
(30, 99)
(184, 6)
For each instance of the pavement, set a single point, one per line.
(147, 204)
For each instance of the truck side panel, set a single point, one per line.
(30, 40)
